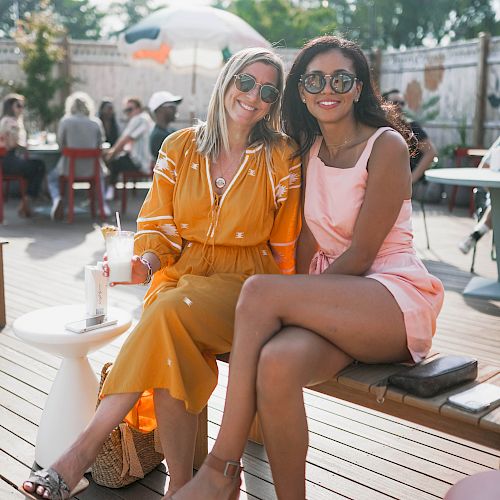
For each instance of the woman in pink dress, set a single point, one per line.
(367, 297)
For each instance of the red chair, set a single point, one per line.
(462, 158)
(94, 180)
(134, 176)
(7, 179)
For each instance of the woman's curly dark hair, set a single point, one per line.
(371, 110)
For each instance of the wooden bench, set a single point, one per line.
(361, 384)
(2, 286)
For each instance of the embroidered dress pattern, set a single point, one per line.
(189, 308)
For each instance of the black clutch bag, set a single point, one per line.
(427, 380)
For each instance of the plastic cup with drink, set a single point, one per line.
(120, 250)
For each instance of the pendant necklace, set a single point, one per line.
(220, 182)
(336, 147)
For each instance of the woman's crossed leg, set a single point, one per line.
(355, 317)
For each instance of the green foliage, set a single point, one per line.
(36, 38)
(286, 23)
(80, 18)
(373, 23)
(131, 12)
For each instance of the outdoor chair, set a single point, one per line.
(461, 158)
(94, 180)
(6, 180)
(133, 176)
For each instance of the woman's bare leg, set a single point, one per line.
(73, 463)
(292, 359)
(357, 315)
(177, 430)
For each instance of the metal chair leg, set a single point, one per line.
(473, 257)
(422, 207)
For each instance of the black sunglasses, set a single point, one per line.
(128, 110)
(245, 83)
(397, 102)
(341, 82)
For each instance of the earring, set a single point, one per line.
(267, 117)
(303, 100)
(356, 100)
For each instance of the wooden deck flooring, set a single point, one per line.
(354, 452)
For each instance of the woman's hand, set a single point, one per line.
(139, 271)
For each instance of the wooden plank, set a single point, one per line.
(469, 417)
(8, 491)
(368, 455)
(2, 286)
(441, 422)
(436, 403)
(460, 455)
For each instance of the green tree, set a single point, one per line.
(37, 38)
(284, 22)
(407, 23)
(81, 19)
(131, 12)
(373, 23)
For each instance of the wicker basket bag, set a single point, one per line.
(127, 454)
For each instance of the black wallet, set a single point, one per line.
(427, 380)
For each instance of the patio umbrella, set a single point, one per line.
(190, 36)
(190, 39)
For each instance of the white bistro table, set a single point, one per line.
(71, 402)
(477, 177)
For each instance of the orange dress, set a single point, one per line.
(207, 245)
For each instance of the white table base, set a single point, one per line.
(68, 409)
(483, 288)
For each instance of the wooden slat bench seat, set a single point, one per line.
(2, 286)
(363, 384)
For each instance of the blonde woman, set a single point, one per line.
(224, 205)
(79, 128)
(12, 139)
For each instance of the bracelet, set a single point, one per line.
(149, 276)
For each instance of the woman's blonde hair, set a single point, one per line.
(212, 136)
(79, 103)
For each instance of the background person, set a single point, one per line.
(131, 150)
(163, 106)
(424, 152)
(368, 296)
(79, 128)
(485, 222)
(13, 139)
(200, 246)
(107, 116)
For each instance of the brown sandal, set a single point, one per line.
(230, 469)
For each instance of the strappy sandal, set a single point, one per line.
(229, 469)
(53, 482)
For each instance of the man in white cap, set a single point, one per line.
(163, 106)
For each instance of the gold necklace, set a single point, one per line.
(220, 181)
(340, 145)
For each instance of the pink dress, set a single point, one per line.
(332, 202)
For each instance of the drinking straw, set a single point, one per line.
(118, 224)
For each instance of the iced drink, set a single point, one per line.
(120, 250)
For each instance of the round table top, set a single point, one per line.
(483, 177)
(43, 148)
(46, 326)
